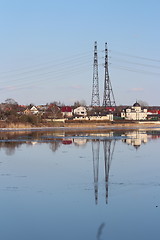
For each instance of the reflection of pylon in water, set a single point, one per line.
(108, 146)
(95, 152)
(108, 155)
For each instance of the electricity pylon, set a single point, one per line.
(95, 87)
(108, 97)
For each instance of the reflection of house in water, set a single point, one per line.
(33, 142)
(101, 135)
(108, 147)
(80, 141)
(67, 141)
(76, 141)
(136, 138)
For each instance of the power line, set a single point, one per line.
(62, 69)
(135, 63)
(42, 80)
(44, 65)
(134, 56)
(133, 70)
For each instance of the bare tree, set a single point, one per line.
(79, 103)
(10, 101)
(143, 103)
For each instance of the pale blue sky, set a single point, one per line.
(47, 49)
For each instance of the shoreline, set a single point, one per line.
(84, 127)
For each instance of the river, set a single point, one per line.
(80, 186)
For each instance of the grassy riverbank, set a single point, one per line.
(86, 125)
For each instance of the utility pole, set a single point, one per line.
(95, 87)
(108, 98)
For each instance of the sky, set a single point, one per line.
(47, 50)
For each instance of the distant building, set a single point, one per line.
(134, 113)
(32, 110)
(80, 111)
(153, 113)
(110, 109)
(66, 111)
(107, 117)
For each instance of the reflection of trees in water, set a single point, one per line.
(10, 147)
(12, 140)
(54, 145)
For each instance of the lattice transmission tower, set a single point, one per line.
(108, 97)
(95, 101)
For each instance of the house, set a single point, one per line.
(27, 111)
(134, 113)
(52, 111)
(107, 117)
(101, 113)
(32, 110)
(80, 111)
(110, 109)
(66, 111)
(153, 113)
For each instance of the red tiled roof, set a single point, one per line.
(66, 109)
(110, 109)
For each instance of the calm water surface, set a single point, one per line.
(60, 186)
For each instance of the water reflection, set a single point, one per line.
(108, 148)
(135, 138)
(10, 141)
(53, 191)
(95, 152)
(100, 230)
